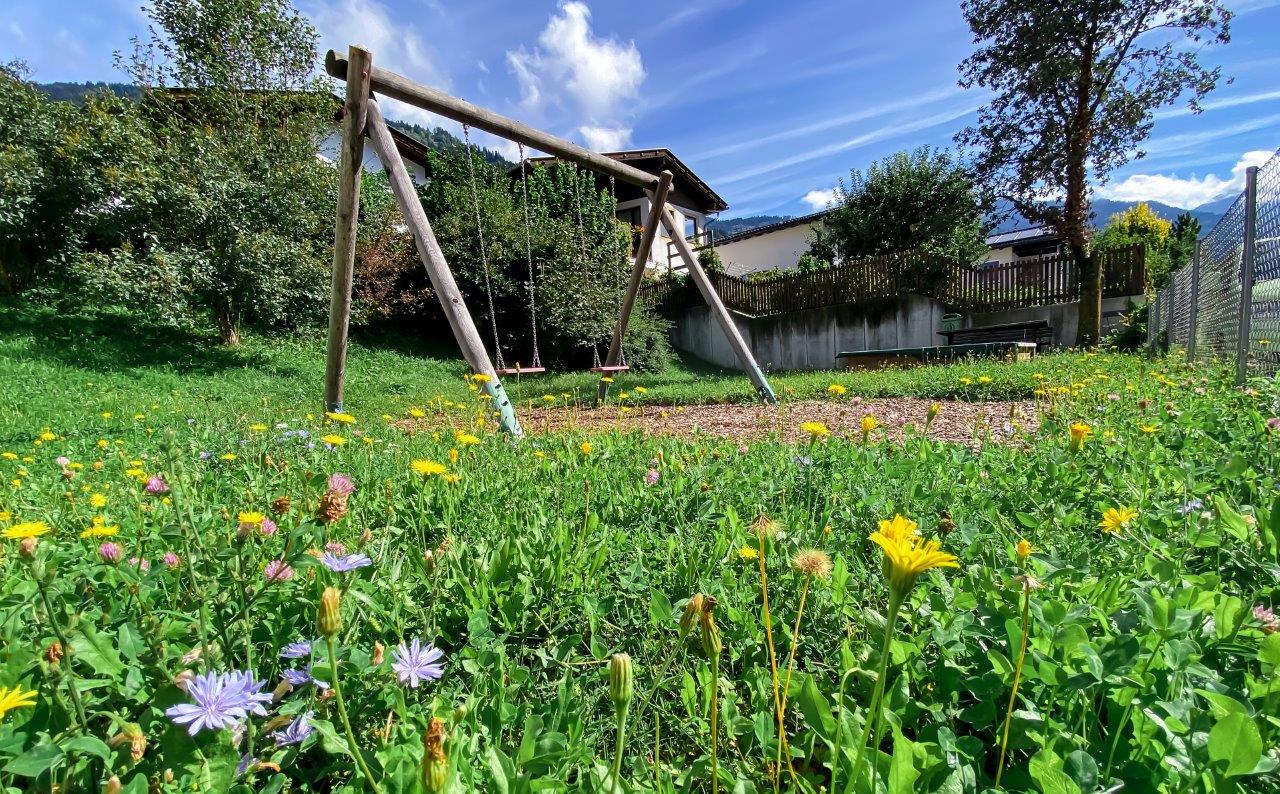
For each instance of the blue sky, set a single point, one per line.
(770, 102)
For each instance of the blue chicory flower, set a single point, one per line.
(415, 662)
(222, 700)
(345, 564)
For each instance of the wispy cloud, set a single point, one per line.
(886, 132)
(1189, 191)
(1190, 141)
(882, 109)
(1222, 102)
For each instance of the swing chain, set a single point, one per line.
(484, 258)
(617, 275)
(528, 255)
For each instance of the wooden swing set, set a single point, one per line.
(362, 118)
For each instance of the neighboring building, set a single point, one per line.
(777, 246)
(692, 199)
(412, 152)
(1019, 244)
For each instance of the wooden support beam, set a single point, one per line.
(745, 359)
(350, 166)
(455, 309)
(658, 203)
(387, 83)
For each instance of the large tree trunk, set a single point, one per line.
(1089, 317)
(228, 324)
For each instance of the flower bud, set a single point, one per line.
(113, 786)
(27, 547)
(691, 612)
(54, 653)
(435, 764)
(378, 650)
(712, 644)
(329, 618)
(621, 688)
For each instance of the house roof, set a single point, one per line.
(1021, 236)
(802, 220)
(689, 188)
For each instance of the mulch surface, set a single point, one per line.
(961, 422)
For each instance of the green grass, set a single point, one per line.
(1146, 667)
(127, 368)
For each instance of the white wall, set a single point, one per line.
(776, 250)
(658, 254)
(331, 150)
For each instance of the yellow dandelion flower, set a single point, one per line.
(228, 456)
(97, 501)
(869, 423)
(480, 378)
(26, 529)
(907, 556)
(984, 379)
(1115, 519)
(1079, 432)
(453, 455)
(98, 528)
(258, 427)
(837, 390)
(966, 381)
(5, 515)
(586, 447)
(9, 455)
(334, 440)
(105, 414)
(748, 553)
(640, 390)
(898, 527)
(14, 698)
(1024, 548)
(426, 467)
(417, 413)
(250, 517)
(451, 478)
(466, 439)
(548, 398)
(606, 379)
(816, 430)
(1149, 429)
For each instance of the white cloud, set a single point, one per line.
(395, 43)
(819, 199)
(605, 139)
(16, 31)
(574, 69)
(1222, 102)
(1189, 192)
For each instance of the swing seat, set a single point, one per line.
(520, 371)
(610, 369)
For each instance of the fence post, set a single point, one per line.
(1194, 306)
(1153, 324)
(1246, 272)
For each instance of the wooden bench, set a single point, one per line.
(1037, 331)
(937, 354)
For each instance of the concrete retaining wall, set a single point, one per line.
(810, 340)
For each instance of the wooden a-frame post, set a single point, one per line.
(739, 345)
(455, 309)
(350, 166)
(658, 202)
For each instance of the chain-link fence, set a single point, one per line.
(1205, 309)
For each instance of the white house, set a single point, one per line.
(412, 153)
(691, 198)
(777, 246)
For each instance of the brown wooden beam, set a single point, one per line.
(658, 203)
(396, 86)
(350, 166)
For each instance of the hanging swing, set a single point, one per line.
(597, 366)
(501, 367)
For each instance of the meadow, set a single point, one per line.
(209, 585)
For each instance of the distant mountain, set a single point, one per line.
(1103, 209)
(724, 228)
(76, 92)
(441, 140)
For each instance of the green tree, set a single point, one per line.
(580, 269)
(1075, 85)
(922, 200)
(1182, 241)
(242, 218)
(1139, 225)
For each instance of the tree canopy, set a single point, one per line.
(1075, 88)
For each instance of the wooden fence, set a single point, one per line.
(1032, 282)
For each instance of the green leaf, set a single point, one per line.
(36, 761)
(90, 745)
(902, 769)
(1234, 743)
(1269, 650)
(1046, 771)
(97, 651)
(1231, 521)
(816, 710)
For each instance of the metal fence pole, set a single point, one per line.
(1246, 272)
(1153, 323)
(1173, 312)
(1195, 303)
